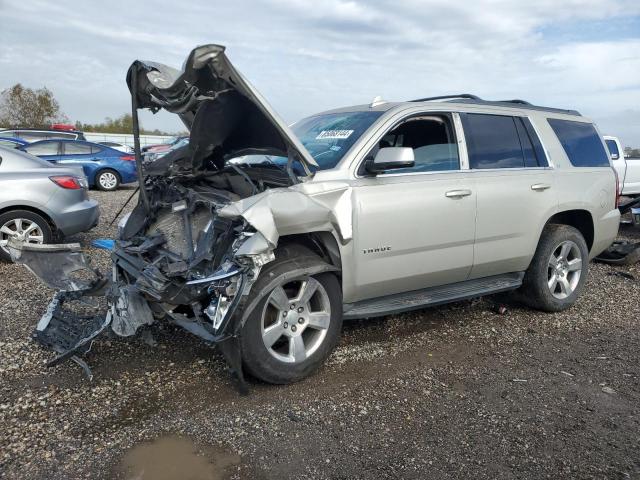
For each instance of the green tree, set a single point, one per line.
(25, 107)
(121, 124)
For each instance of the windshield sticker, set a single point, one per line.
(335, 148)
(334, 134)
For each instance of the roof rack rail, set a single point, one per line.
(516, 100)
(446, 97)
(474, 99)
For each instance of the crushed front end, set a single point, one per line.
(186, 254)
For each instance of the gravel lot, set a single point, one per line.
(452, 392)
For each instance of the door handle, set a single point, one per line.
(539, 187)
(457, 193)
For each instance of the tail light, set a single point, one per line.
(67, 181)
(615, 172)
(128, 158)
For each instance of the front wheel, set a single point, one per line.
(293, 329)
(557, 274)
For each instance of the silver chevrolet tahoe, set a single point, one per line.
(261, 238)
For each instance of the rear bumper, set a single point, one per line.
(606, 231)
(78, 217)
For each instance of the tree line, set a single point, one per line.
(37, 108)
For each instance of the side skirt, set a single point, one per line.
(428, 297)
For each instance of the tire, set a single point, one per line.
(107, 180)
(554, 285)
(284, 361)
(33, 227)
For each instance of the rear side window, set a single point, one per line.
(66, 136)
(500, 141)
(581, 143)
(44, 148)
(613, 147)
(71, 148)
(31, 136)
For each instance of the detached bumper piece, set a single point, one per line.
(68, 333)
(621, 253)
(65, 268)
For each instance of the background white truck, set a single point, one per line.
(628, 168)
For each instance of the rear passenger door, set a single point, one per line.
(515, 191)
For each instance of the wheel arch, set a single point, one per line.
(32, 209)
(581, 220)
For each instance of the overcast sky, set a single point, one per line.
(306, 56)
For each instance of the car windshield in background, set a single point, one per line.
(327, 137)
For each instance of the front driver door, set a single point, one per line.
(414, 228)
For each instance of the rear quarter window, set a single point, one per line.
(613, 148)
(581, 143)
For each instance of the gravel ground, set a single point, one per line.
(452, 392)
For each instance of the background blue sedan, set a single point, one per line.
(105, 168)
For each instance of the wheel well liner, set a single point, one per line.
(324, 244)
(580, 220)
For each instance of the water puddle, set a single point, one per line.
(177, 458)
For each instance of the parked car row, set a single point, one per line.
(105, 167)
(41, 202)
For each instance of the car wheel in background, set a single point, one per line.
(558, 271)
(107, 180)
(25, 226)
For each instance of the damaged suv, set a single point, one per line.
(261, 238)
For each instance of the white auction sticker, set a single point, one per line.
(334, 134)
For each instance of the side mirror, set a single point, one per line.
(389, 158)
(615, 156)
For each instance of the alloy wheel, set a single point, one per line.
(295, 320)
(21, 229)
(108, 180)
(564, 269)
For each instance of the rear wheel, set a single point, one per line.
(24, 226)
(558, 271)
(107, 180)
(294, 328)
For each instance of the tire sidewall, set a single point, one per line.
(42, 223)
(261, 364)
(99, 185)
(538, 273)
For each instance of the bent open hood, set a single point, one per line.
(226, 115)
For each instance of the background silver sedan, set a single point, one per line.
(41, 203)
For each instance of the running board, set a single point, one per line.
(428, 297)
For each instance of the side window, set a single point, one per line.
(493, 141)
(31, 136)
(613, 148)
(8, 144)
(43, 148)
(66, 136)
(95, 149)
(433, 142)
(581, 143)
(72, 148)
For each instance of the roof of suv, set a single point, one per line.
(449, 100)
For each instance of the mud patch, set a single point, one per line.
(173, 458)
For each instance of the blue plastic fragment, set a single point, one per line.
(104, 243)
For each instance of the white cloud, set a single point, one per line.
(308, 56)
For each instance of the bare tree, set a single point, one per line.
(24, 107)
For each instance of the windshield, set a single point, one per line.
(327, 138)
